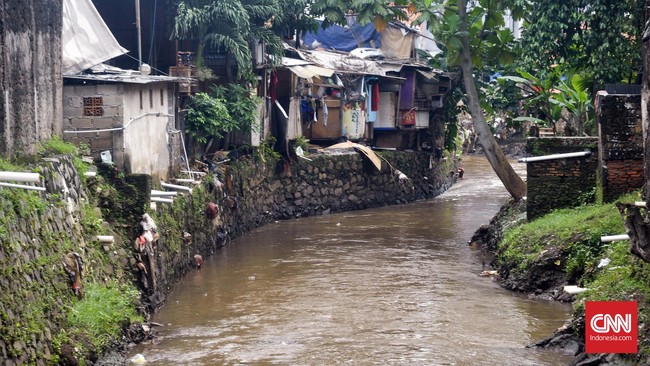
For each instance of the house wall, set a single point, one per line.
(146, 145)
(560, 183)
(30, 74)
(93, 107)
(621, 144)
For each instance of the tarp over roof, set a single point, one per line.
(86, 39)
(336, 37)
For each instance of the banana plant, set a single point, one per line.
(575, 98)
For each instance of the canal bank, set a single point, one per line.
(77, 214)
(392, 285)
(539, 258)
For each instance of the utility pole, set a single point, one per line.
(139, 28)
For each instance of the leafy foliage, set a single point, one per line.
(103, 311)
(241, 105)
(228, 26)
(600, 37)
(548, 97)
(206, 117)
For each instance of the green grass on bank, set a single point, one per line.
(576, 232)
(104, 310)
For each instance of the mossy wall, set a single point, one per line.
(251, 194)
(560, 183)
(37, 230)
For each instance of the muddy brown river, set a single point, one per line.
(391, 286)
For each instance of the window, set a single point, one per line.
(162, 97)
(140, 99)
(151, 98)
(93, 106)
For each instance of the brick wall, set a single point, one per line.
(93, 107)
(560, 183)
(621, 144)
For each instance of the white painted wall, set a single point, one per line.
(146, 144)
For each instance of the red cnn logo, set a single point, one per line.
(611, 327)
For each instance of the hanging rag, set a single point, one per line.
(325, 113)
(375, 97)
(273, 85)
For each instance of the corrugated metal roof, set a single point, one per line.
(131, 78)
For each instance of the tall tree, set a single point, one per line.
(600, 38)
(231, 26)
(499, 162)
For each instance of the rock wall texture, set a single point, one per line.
(621, 144)
(560, 183)
(39, 229)
(30, 73)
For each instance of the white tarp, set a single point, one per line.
(86, 39)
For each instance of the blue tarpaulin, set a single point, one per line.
(344, 38)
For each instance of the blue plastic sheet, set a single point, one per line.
(344, 38)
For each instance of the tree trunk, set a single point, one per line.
(499, 162)
(645, 103)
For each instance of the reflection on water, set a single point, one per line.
(390, 286)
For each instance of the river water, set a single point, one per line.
(390, 286)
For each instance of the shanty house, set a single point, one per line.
(126, 118)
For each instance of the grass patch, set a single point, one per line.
(576, 231)
(104, 311)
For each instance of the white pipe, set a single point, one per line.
(155, 193)
(610, 238)
(11, 185)
(162, 200)
(639, 204)
(105, 238)
(554, 156)
(20, 177)
(193, 172)
(175, 186)
(572, 290)
(90, 174)
(120, 128)
(184, 180)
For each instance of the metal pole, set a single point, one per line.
(139, 28)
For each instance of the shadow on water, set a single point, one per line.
(391, 286)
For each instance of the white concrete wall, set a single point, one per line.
(146, 144)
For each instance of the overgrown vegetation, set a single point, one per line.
(104, 311)
(576, 232)
(37, 309)
(608, 270)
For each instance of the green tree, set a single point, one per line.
(208, 117)
(600, 37)
(231, 26)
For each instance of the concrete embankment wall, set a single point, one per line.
(39, 229)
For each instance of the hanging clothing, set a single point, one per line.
(375, 97)
(325, 112)
(273, 85)
(294, 128)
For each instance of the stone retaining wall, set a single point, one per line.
(38, 229)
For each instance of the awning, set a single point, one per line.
(310, 71)
(428, 75)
